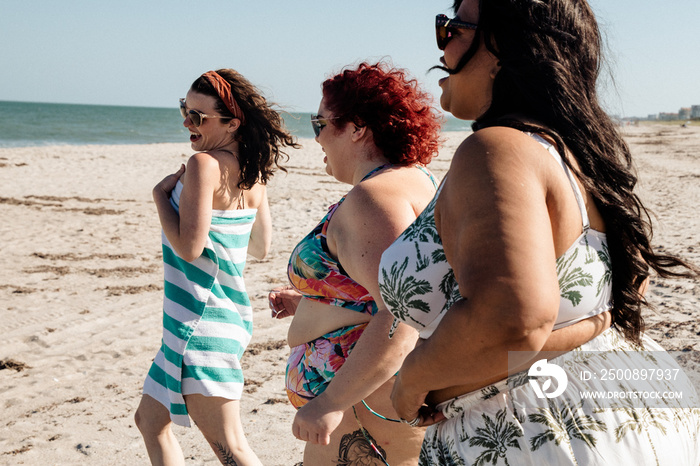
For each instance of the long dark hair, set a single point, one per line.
(550, 57)
(262, 135)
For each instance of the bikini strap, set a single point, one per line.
(375, 170)
(430, 175)
(241, 201)
(332, 209)
(577, 192)
(388, 165)
(372, 172)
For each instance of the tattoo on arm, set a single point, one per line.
(225, 455)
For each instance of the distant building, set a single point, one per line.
(664, 116)
(684, 113)
(695, 111)
(652, 116)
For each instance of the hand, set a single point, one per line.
(410, 405)
(168, 183)
(284, 301)
(315, 422)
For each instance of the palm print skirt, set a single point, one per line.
(506, 423)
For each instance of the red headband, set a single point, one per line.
(223, 88)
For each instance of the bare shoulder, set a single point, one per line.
(380, 208)
(501, 144)
(256, 196)
(202, 165)
(499, 153)
(214, 162)
(393, 188)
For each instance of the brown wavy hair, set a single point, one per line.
(263, 134)
(404, 123)
(550, 57)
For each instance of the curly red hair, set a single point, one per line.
(404, 122)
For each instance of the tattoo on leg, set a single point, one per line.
(356, 450)
(227, 458)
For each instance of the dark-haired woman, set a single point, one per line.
(213, 212)
(535, 227)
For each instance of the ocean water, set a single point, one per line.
(40, 124)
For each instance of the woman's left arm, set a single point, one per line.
(369, 222)
(261, 234)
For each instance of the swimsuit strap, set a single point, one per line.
(241, 200)
(372, 172)
(430, 175)
(574, 185)
(375, 170)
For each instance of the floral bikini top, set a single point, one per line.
(319, 276)
(418, 285)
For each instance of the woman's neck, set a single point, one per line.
(367, 166)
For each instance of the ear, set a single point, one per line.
(359, 132)
(233, 125)
(495, 69)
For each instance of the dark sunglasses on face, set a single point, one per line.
(195, 117)
(445, 29)
(318, 123)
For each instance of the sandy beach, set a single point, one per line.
(81, 284)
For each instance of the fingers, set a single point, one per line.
(430, 416)
(276, 305)
(426, 416)
(316, 438)
(324, 439)
(413, 422)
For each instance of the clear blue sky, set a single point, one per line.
(147, 53)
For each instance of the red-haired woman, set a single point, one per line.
(378, 130)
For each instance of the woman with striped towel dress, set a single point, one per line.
(213, 211)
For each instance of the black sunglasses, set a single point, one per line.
(318, 123)
(445, 28)
(195, 117)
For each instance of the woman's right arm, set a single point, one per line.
(496, 231)
(571, 337)
(187, 231)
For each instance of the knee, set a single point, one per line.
(148, 423)
(140, 419)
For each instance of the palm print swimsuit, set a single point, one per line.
(508, 422)
(418, 285)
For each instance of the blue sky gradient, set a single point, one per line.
(148, 53)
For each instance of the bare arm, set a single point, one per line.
(261, 234)
(573, 336)
(187, 231)
(495, 227)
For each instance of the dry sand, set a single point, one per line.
(81, 283)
